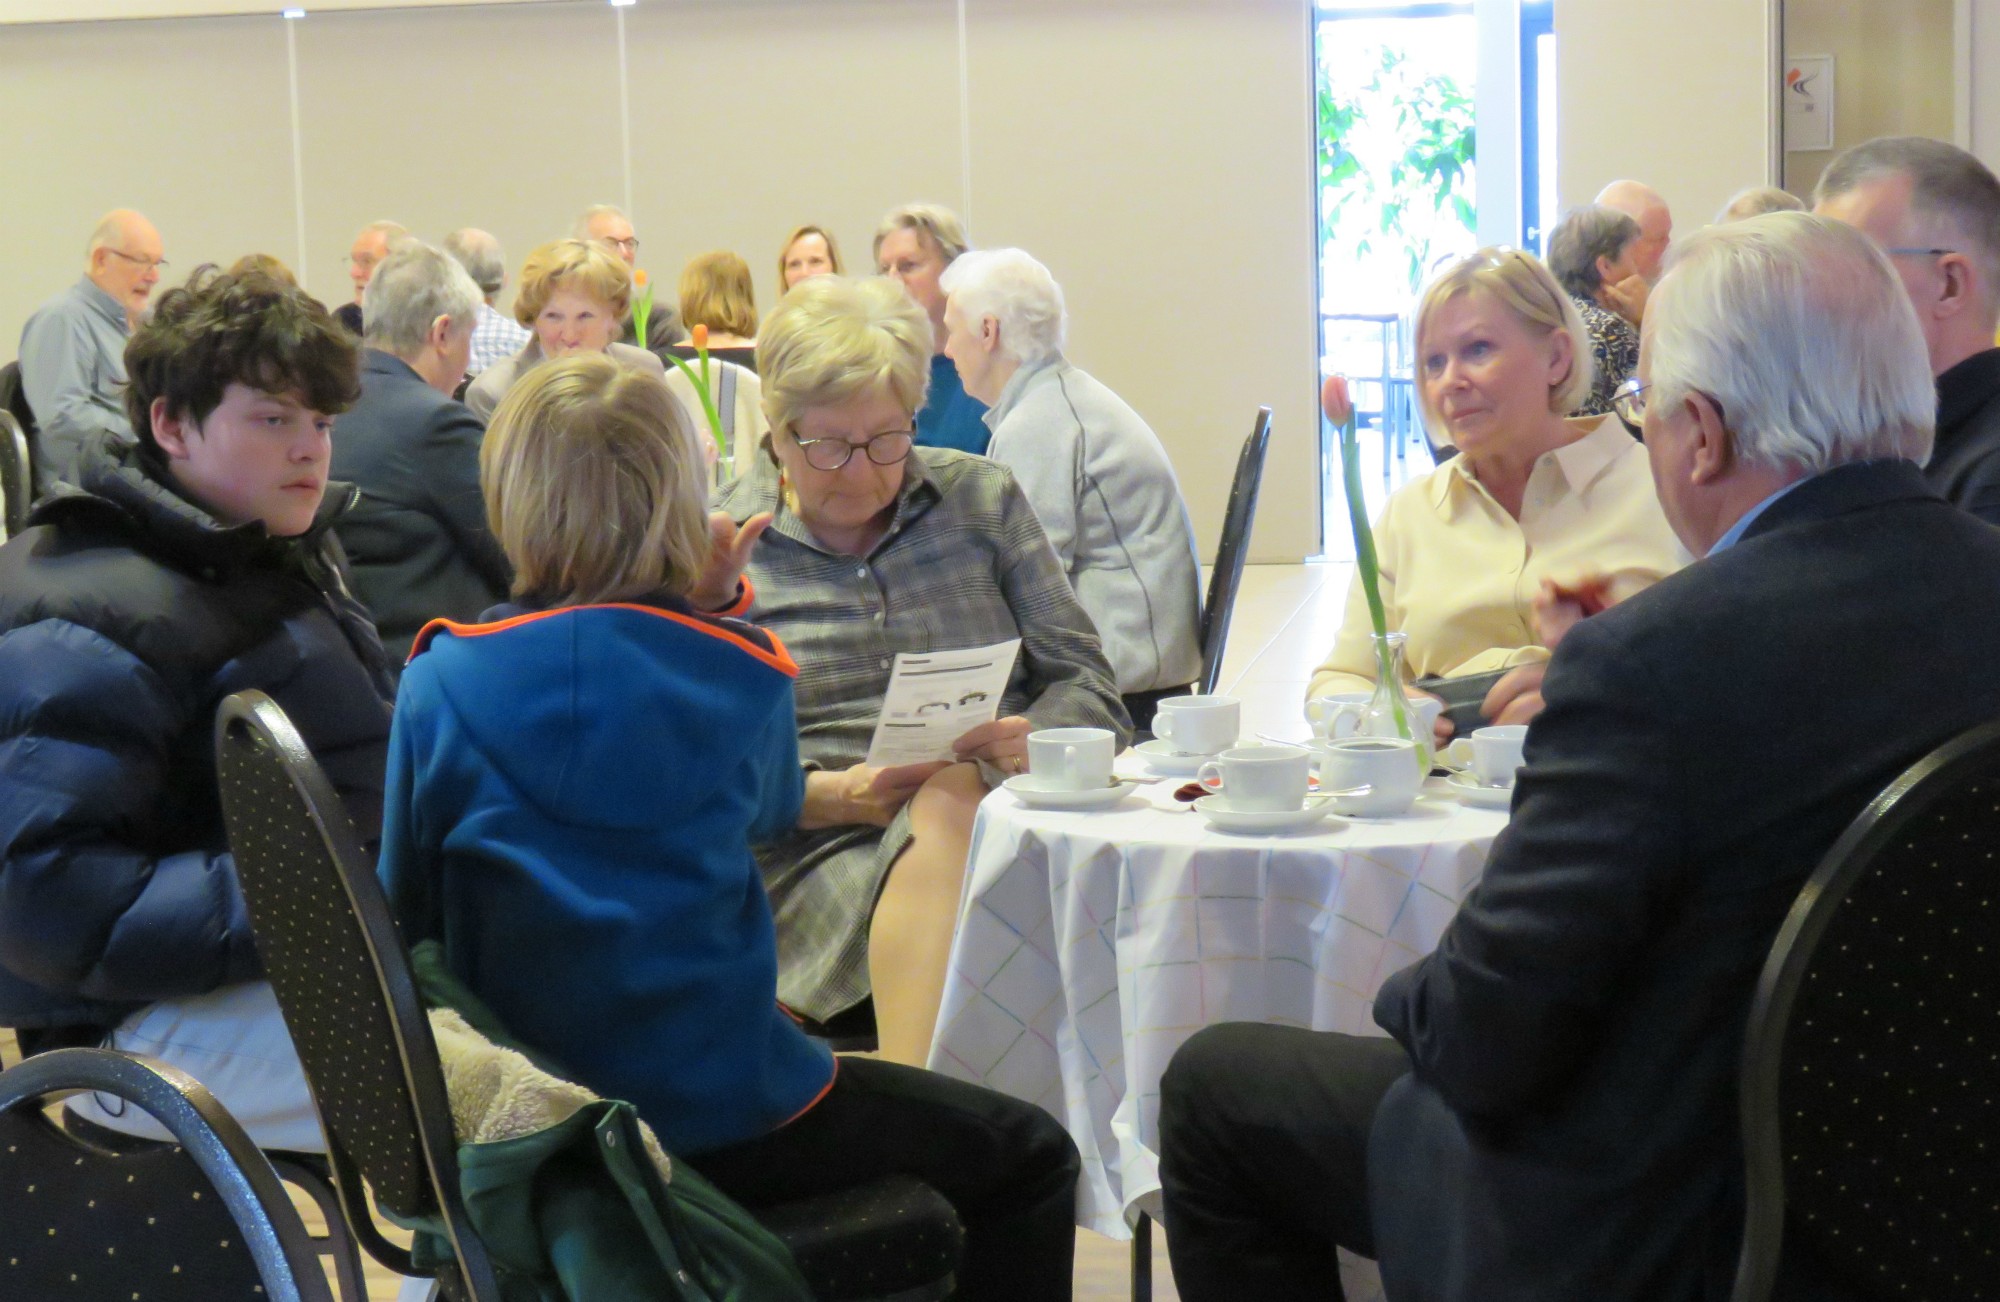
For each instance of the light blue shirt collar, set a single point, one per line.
(1736, 531)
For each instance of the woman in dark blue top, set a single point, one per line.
(574, 784)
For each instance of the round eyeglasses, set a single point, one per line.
(884, 449)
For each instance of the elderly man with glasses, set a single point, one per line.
(1553, 1113)
(660, 315)
(73, 348)
(1935, 210)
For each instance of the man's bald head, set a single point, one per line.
(1643, 204)
(124, 259)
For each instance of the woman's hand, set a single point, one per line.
(1002, 743)
(729, 549)
(862, 794)
(1516, 698)
(1627, 298)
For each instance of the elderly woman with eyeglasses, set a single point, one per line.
(1094, 470)
(1535, 508)
(1590, 251)
(879, 548)
(573, 295)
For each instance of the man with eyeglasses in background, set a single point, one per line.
(1935, 210)
(610, 227)
(73, 347)
(376, 241)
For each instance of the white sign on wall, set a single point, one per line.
(1808, 102)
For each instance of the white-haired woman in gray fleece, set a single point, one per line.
(1091, 466)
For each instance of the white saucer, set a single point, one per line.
(1470, 790)
(1162, 758)
(1224, 819)
(1028, 789)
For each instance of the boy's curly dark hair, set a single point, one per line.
(221, 329)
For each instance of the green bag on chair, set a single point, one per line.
(578, 1211)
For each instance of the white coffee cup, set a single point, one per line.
(1072, 759)
(1387, 766)
(1199, 725)
(1336, 715)
(1260, 777)
(1492, 753)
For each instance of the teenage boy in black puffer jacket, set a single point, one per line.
(172, 573)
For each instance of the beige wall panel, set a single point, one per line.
(1892, 73)
(750, 117)
(502, 117)
(1157, 155)
(185, 121)
(1676, 93)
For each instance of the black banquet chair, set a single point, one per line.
(17, 475)
(203, 1219)
(1233, 551)
(336, 960)
(1871, 1064)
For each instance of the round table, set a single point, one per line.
(1091, 945)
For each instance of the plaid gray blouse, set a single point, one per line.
(964, 564)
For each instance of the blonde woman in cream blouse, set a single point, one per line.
(1531, 497)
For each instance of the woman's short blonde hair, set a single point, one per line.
(1520, 283)
(799, 233)
(581, 266)
(833, 339)
(716, 292)
(594, 485)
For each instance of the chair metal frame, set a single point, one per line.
(1850, 860)
(1233, 550)
(238, 1170)
(17, 473)
(259, 716)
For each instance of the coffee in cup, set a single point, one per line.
(1387, 766)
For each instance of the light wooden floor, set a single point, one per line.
(1284, 622)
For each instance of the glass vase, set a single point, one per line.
(1388, 712)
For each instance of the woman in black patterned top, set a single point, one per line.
(1590, 251)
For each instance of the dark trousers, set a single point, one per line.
(1005, 1166)
(1264, 1158)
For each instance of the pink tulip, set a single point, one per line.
(1333, 400)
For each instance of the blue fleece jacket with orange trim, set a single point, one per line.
(572, 795)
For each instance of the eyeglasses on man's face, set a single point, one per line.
(884, 449)
(145, 264)
(1628, 401)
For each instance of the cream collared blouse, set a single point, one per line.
(1459, 575)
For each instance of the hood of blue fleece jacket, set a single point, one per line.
(527, 685)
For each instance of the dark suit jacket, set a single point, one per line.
(1570, 1127)
(1965, 461)
(418, 541)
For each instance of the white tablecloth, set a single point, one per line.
(1091, 945)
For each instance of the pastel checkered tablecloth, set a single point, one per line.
(1091, 945)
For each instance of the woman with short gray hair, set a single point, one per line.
(1094, 471)
(1589, 251)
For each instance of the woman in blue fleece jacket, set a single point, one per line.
(574, 784)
